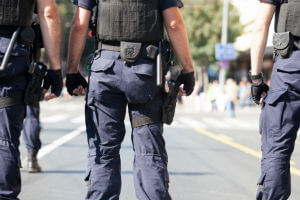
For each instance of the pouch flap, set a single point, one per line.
(101, 64)
(144, 69)
(130, 51)
(273, 96)
(281, 40)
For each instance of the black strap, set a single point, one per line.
(13, 79)
(11, 100)
(143, 120)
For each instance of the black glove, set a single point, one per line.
(53, 78)
(188, 81)
(257, 89)
(75, 80)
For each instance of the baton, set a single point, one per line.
(159, 66)
(9, 49)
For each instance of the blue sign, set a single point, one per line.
(225, 52)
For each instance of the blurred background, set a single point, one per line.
(214, 141)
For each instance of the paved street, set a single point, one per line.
(210, 157)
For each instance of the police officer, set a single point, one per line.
(279, 120)
(13, 80)
(123, 73)
(31, 136)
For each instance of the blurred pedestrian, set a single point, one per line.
(212, 93)
(231, 93)
(242, 94)
(279, 121)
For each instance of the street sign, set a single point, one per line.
(225, 52)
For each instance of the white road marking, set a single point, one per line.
(57, 143)
(191, 122)
(78, 120)
(217, 123)
(241, 124)
(54, 118)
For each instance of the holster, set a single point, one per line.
(33, 93)
(283, 44)
(170, 101)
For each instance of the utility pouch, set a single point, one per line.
(169, 101)
(33, 92)
(130, 51)
(27, 36)
(283, 44)
(150, 52)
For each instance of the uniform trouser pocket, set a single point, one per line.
(151, 177)
(280, 122)
(10, 178)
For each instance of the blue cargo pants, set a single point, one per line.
(112, 86)
(279, 123)
(11, 122)
(31, 129)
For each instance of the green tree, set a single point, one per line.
(203, 20)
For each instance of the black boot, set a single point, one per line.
(32, 163)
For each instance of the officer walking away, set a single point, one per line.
(16, 77)
(279, 121)
(31, 125)
(123, 73)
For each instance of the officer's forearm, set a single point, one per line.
(260, 36)
(257, 50)
(51, 30)
(177, 33)
(77, 41)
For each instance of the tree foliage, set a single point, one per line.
(203, 19)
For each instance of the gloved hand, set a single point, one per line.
(257, 89)
(188, 81)
(53, 78)
(73, 81)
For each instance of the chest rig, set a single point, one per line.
(129, 20)
(288, 17)
(16, 12)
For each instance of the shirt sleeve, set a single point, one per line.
(87, 4)
(274, 2)
(165, 4)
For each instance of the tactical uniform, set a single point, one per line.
(115, 83)
(12, 84)
(279, 120)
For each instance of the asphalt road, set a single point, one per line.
(210, 157)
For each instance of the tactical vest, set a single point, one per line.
(129, 20)
(16, 12)
(288, 17)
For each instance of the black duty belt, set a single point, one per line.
(11, 100)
